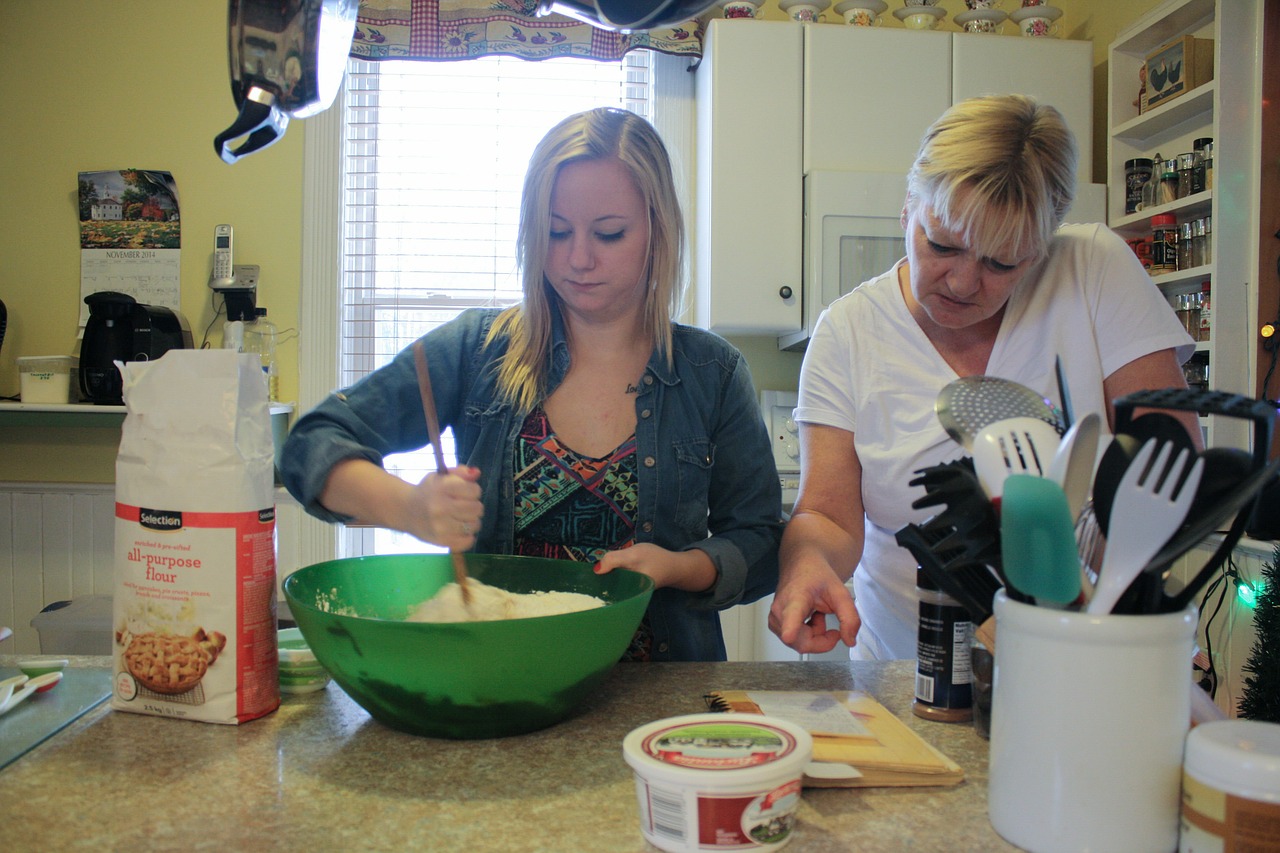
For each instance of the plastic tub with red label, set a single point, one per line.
(718, 782)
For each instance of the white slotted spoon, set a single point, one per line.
(1013, 446)
(1149, 507)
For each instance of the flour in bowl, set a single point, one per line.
(489, 604)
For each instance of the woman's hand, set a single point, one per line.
(690, 570)
(443, 509)
(800, 607)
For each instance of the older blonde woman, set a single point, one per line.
(588, 424)
(992, 284)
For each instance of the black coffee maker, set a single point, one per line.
(120, 328)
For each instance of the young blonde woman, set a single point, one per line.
(588, 425)
(992, 284)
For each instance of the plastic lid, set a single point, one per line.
(1138, 161)
(1240, 757)
(1164, 219)
(46, 363)
(733, 749)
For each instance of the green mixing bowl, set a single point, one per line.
(468, 679)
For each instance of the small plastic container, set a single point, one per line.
(1231, 787)
(718, 782)
(81, 626)
(47, 378)
(300, 672)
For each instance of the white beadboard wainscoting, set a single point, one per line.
(55, 544)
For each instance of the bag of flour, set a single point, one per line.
(195, 588)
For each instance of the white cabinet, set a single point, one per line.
(1226, 109)
(1053, 71)
(777, 100)
(870, 94)
(749, 218)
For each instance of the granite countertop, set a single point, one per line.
(321, 774)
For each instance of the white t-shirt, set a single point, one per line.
(870, 369)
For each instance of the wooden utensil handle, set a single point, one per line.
(433, 432)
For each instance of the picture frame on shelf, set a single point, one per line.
(1175, 68)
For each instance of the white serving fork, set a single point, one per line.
(1149, 506)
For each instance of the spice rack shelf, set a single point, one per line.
(1219, 109)
(1194, 107)
(1192, 207)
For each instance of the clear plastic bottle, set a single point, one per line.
(260, 338)
(233, 335)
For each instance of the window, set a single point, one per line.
(430, 157)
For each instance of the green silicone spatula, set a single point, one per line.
(1037, 540)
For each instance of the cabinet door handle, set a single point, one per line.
(784, 292)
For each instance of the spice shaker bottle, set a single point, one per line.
(1164, 243)
(1168, 182)
(1186, 168)
(943, 658)
(1137, 173)
(1204, 145)
(1206, 314)
(1184, 246)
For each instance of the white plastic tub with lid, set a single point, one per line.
(47, 378)
(1231, 787)
(714, 782)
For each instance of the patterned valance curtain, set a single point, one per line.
(466, 29)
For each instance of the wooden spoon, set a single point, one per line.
(433, 431)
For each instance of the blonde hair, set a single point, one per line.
(998, 170)
(592, 135)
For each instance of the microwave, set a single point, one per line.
(853, 232)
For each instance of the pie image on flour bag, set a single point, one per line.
(164, 663)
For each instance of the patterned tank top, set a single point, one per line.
(574, 507)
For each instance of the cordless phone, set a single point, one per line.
(223, 270)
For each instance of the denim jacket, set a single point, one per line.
(706, 477)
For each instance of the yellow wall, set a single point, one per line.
(87, 85)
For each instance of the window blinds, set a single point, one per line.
(434, 156)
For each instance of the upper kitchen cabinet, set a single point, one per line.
(749, 217)
(870, 94)
(779, 100)
(1227, 110)
(1053, 71)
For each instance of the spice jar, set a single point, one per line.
(1186, 166)
(1199, 244)
(1137, 172)
(1187, 307)
(1204, 145)
(1164, 243)
(1184, 246)
(1168, 191)
(1208, 239)
(1206, 314)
